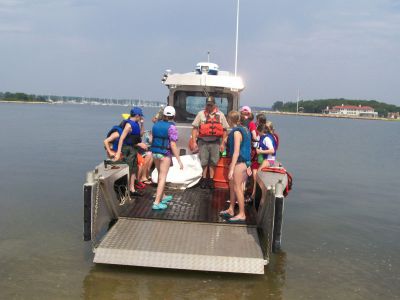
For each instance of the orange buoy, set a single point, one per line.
(221, 180)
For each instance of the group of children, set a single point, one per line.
(264, 144)
(127, 141)
(139, 150)
(251, 146)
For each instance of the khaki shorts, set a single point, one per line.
(130, 158)
(208, 152)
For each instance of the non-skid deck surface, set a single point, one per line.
(194, 204)
(182, 245)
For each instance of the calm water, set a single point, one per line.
(341, 231)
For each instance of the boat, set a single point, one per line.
(189, 234)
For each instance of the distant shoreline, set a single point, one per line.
(326, 116)
(72, 103)
(25, 102)
(261, 111)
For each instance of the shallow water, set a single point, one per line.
(341, 221)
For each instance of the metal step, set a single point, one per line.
(182, 245)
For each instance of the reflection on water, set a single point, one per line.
(119, 282)
(341, 221)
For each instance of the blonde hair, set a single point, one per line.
(269, 127)
(234, 116)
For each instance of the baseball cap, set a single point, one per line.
(210, 99)
(169, 111)
(136, 111)
(245, 108)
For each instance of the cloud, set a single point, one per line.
(10, 28)
(336, 47)
(10, 2)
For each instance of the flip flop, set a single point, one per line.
(166, 199)
(136, 193)
(237, 220)
(140, 185)
(147, 181)
(225, 214)
(159, 206)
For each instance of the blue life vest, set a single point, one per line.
(264, 147)
(116, 128)
(160, 143)
(133, 137)
(245, 145)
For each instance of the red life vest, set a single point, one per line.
(212, 126)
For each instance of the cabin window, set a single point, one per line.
(188, 104)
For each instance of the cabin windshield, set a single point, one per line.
(188, 104)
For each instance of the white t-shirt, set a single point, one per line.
(267, 142)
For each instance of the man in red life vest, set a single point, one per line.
(209, 135)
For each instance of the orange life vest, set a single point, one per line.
(212, 126)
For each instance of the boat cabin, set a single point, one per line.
(188, 93)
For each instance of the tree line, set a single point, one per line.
(7, 96)
(318, 106)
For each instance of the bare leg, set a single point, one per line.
(148, 164)
(132, 183)
(264, 164)
(232, 198)
(162, 166)
(140, 172)
(239, 177)
(205, 171)
(253, 194)
(148, 160)
(212, 171)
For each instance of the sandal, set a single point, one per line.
(147, 181)
(135, 194)
(225, 214)
(159, 206)
(140, 185)
(166, 199)
(237, 220)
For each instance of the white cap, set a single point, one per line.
(169, 111)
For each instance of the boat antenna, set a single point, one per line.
(205, 92)
(208, 56)
(237, 35)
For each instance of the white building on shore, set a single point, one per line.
(352, 111)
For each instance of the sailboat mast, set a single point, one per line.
(298, 98)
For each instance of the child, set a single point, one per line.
(163, 146)
(129, 142)
(239, 150)
(267, 146)
(112, 140)
(145, 159)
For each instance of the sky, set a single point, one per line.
(121, 48)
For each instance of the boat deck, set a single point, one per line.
(193, 204)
